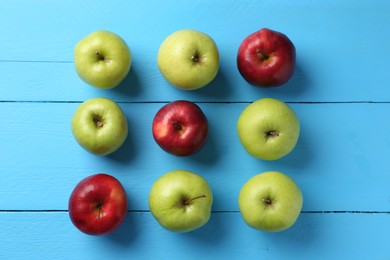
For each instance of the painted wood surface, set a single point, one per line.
(49, 235)
(339, 90)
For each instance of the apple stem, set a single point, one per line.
(99, 208)
(99, 56)
(268, 201)
(196, 57)
(261, 55)
(177, 125)
(272, 133)
(98, 120)
(187, 202)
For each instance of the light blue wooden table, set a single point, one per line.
(340, 91)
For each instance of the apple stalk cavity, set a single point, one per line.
(267, 201)
(99, 56)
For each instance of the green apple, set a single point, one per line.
(268, 129)
(181, 201)
(102, 59)
(188, 59)
(270, 201)
(99, 126)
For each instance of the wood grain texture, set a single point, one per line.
(342, 48)
(334, 160)
(339, 90)
(315, 236)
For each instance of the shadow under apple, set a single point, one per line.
(209, 152)
(299, 158)
(210, 234)
(127, 151)
(127, 231)
(301, 235)
(131, 85)
(298, 83)
(219, 89)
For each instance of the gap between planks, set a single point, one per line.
(214, 212)
(200, 102)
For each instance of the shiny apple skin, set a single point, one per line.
(98, 204)
(266, 58)
(180, 128)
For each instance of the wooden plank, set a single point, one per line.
(52, 81)
(340, 161)
(45, 235)
(339, 90)
(333, 41)
(48, 36)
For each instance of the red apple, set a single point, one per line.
(180, 128)
(266, 58)
(98, 204)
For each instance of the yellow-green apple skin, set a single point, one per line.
(268, 129)
(270, 201)
(99, 126)
(188, 59)
(102, 59)
(181, 201)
